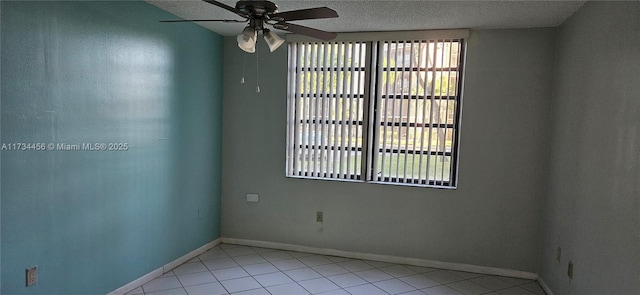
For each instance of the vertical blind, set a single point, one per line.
(326, 106)
(385, 111)
(417, 104)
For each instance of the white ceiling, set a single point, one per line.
(362, 15)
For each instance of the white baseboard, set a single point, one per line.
(544, 286)
(164, 269)
(138, 282)
(332, 252)
(388, 258)
(173, 264)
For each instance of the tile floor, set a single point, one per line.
(233, 269)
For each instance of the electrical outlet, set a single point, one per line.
(570, 270)
(559, 254)
(32, 276)
(319, 216)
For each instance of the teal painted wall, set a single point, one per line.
(105, 72)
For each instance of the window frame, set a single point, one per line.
(372, 98)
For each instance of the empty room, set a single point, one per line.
(319, 147)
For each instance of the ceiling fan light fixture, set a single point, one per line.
(247, 40)
(261, 12)
(274, 41)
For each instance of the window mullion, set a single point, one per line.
(369, 106)
(357, 169)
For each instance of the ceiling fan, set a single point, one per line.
(258, 14)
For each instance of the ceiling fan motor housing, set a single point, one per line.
(261, 13)
(257, 9)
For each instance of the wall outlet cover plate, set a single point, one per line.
(32, 276)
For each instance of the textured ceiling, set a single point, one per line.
(361, 15)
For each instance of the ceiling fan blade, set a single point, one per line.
(227, 7)
(203, 20)
(302, 30)
(311, 13)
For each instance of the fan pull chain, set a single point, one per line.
(244, 60)
(257, 71)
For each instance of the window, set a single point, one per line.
(383, 111)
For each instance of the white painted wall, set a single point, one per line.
(492, 219)
(592, 209)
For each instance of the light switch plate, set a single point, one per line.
(253, 198)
